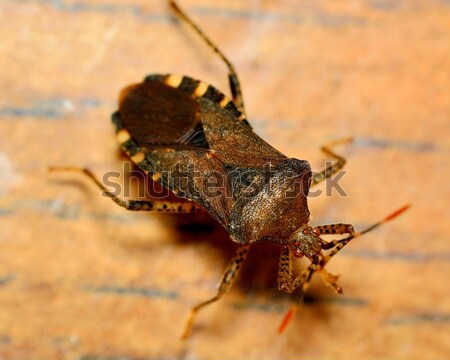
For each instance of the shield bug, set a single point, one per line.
(184, 132)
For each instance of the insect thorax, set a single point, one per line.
(274, 206)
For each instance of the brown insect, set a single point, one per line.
(188, 135)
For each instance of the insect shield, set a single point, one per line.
(192, 139)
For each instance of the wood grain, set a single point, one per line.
(83, 279)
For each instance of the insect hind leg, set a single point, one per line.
(229, 276)
(235, 85)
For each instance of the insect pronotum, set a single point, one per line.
(173, 124)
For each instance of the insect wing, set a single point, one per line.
(187, 135)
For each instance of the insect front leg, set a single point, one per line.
(137, 205)
(227, 281)
(334, 167)
(287, 280)
(304, 281)
(334, 229)
(232, 75)
(337, 245)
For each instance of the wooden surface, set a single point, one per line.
(83, 279)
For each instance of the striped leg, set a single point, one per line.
(304, 282)
(227, 281)
(137, 205)
(339, 244)
(333, 229)
(287, 280)
(232, 76)
(334, 167)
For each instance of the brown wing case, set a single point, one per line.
(189, 136)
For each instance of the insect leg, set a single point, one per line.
(227, 281)
(287, 280)
(330, 280)
(341, 243)
(318, 264)
(232, 76)
(338, 229)
(334, 167)
(137, 205)
(304, 287)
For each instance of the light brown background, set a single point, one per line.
(81, 278)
